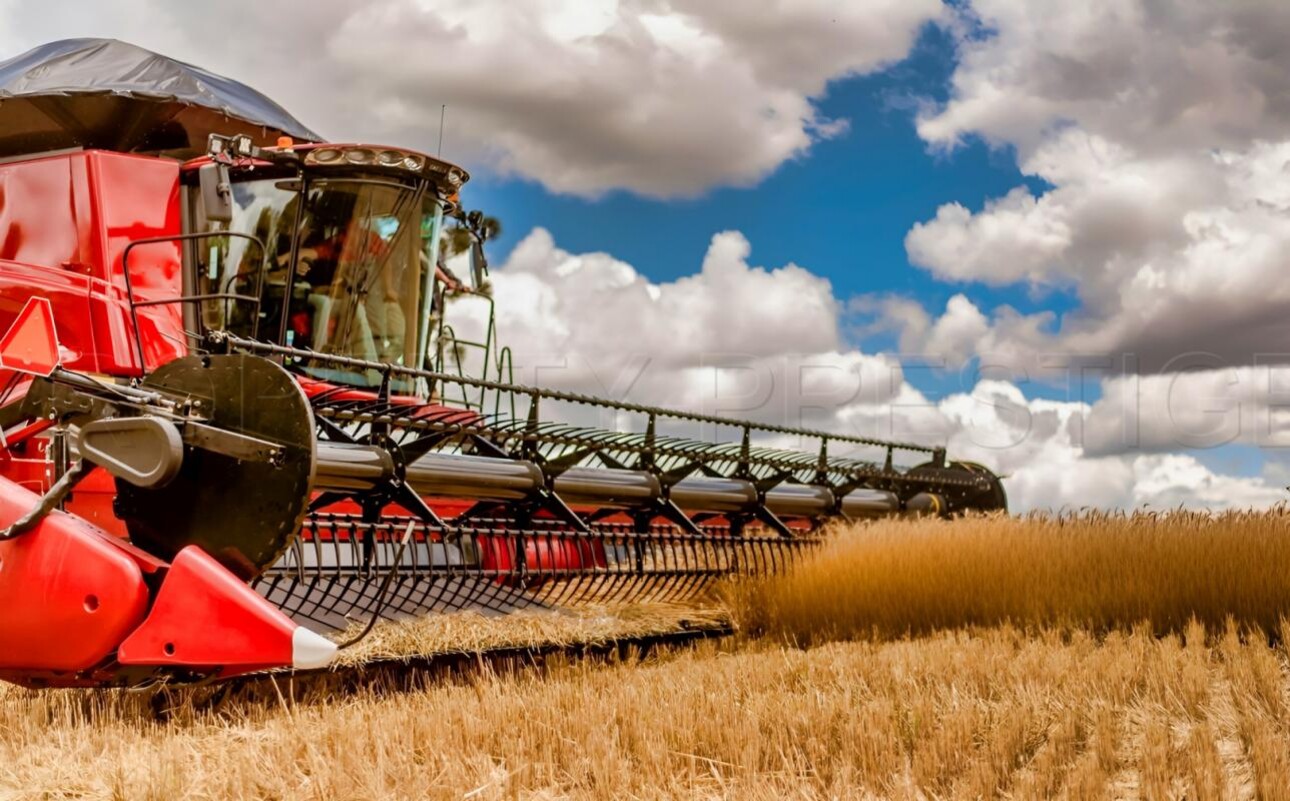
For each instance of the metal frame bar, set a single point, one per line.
(189, 237)
(224, 340)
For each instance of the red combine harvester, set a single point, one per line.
(233, 418)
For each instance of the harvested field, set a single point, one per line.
(1058, 695)
(469, 632)
(953, 715)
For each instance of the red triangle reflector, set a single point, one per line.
(31, 344)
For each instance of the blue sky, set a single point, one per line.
(842, 210)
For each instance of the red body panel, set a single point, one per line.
(136, 197)
(445, 414)
(205, 616)
(70, 593)
(65, 221)
(498, 553)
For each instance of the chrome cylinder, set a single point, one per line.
(344, 467)
(347, 467)
(607, 488)
(864, 503)
(800, 500)
(721, 495)
(450, 475)
(928, 504)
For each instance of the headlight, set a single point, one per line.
(337, 155)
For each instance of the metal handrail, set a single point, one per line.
(189, 237)
(447, 340)
(502, 364)
(506, 372)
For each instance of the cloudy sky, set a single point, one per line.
(1053, 236)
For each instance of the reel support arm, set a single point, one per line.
(50, 501)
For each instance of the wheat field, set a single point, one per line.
(891, 664)
(1092, 571)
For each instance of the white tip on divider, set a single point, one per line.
(309, 650)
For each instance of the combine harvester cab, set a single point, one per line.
(235, 418)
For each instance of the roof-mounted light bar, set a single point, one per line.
(387, 157)
(229, 150)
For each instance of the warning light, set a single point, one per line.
(31, 344)
(286, 143)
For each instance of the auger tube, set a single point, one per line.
(351, 467)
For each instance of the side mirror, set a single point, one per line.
(478, 266)
(217, 192)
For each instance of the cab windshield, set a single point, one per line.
(349, 270)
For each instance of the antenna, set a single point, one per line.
(443, 110)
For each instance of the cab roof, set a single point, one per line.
(112, 95)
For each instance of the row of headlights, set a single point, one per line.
(387, 157)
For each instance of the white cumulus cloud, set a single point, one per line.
(1162, 136)
(660, 97)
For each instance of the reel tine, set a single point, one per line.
(496, 568)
